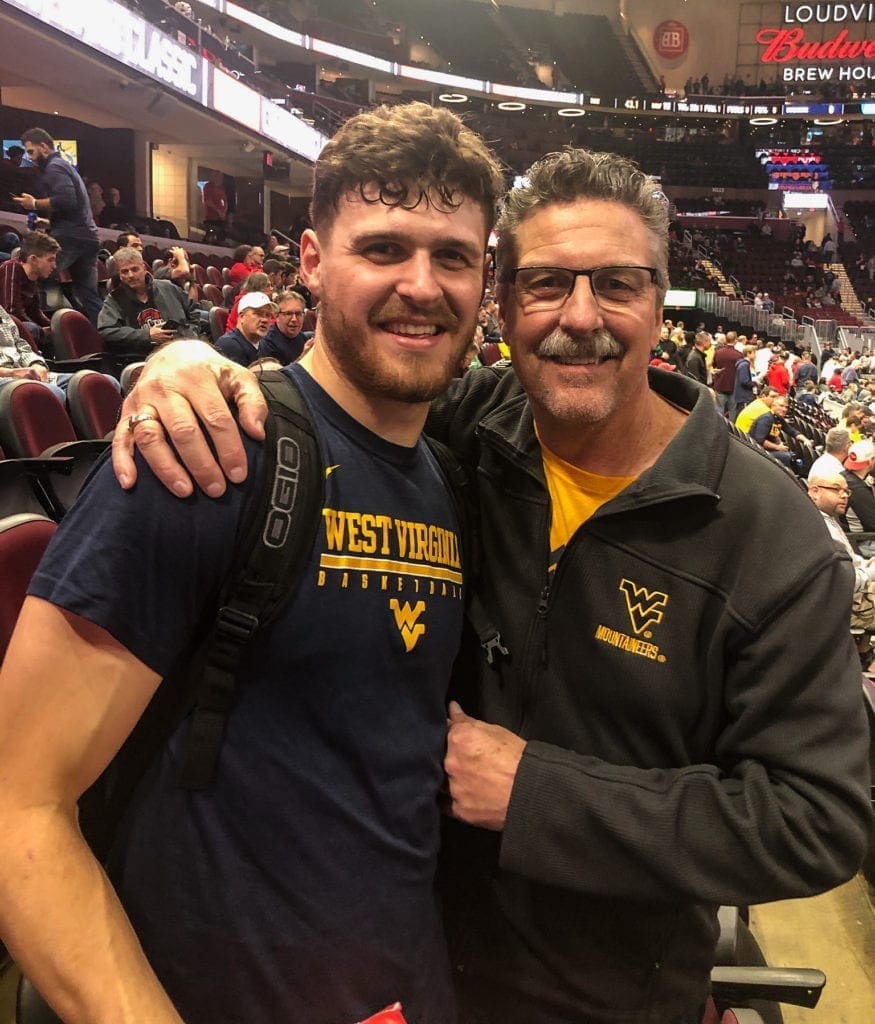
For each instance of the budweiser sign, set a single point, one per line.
(787, 44)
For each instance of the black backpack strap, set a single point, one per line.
(272, 547)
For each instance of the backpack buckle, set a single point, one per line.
(236, 624)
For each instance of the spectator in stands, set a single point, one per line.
(286, 341)
(835, 451)
(178, 270)
(768, 431)
(114, 212)
(805, 370)
(293, 280)
(745, 383)
(96, 200)
(666, 348)
(834, 382)
(64, 199)
(19, 360)
(276, 271)
(254, 314)
(777, 375)
(768, 304)
(247, 259)
(849, 374)
(256, 282)
(20, 283)
(216, 214)
(828, 248)
(140, 312)
(129, 240)
(809, 395)
(276, 247)
(830, 493)
(859, 516)
(726, 356)
(696, 366)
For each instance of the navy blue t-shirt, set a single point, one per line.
(300, 886)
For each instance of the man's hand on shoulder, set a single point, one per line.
(481, 766)
(185, 389)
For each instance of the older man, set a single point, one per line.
(299, 886)
(627, 757)
(254, 312)
(285, 340)
(140, 312)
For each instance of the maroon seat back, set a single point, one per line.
(23, 539)
(213, 294)
(94, 403)
(489, 353)
(25, 333)
(129, 377)
(214, 276)
(31, 420)
(218, 321)
(74, 335)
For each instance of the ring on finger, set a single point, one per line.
(140, 417)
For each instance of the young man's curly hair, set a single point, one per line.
(403, 156)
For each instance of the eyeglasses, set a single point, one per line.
(291, 312)
(549, 287)
(842, 491)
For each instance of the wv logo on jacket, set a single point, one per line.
(645, 607)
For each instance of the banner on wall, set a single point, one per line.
(821, 42)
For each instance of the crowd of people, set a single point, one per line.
(613, 734)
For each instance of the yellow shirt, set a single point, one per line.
(575, 496)
(745, 419)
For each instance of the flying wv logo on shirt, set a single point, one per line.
(405, 619)
(646, 609)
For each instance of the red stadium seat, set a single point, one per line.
(31, 420)
(94, 403)
(23, 539)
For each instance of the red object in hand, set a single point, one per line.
(391, 1015)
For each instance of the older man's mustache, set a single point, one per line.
(593, 347)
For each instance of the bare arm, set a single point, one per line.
(188, 386)
(59, 915)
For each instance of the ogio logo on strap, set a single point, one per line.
(405, 620)
(645, 607)
(284, 492)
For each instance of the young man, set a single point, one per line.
(635, 759)
(299, 887)
(20, 280)
(140, 312)
(64, 200)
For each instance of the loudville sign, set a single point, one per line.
(803, 55)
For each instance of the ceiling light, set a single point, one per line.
(511, 105)
(824, 121)
(571, 112)
(452, 97)
(763, 120)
